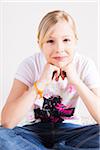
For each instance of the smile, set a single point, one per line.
(59, 58)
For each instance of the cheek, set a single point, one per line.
(47, 54)
(47, 51)
(69, 52)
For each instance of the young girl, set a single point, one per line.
(45, 91)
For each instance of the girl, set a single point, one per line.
(49, 83)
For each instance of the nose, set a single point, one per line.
(59, 47)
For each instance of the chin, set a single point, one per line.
(61, 64)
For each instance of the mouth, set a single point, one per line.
(60, 58)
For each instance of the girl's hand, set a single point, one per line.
(49, 73)
(71, 73)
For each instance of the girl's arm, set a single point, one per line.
(91, 99)
(20, 100)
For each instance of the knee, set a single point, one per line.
(4, 132)
(97, 127)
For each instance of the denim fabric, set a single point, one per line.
(50, 136)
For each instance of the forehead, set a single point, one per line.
(62, 28)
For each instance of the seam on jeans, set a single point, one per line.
(18, 131)
(77, 131)
(83, 128)
(79, 144)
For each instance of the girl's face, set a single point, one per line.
(59, 44)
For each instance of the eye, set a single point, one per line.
(66, 40)
(50, 41)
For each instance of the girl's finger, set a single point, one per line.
(63, 74)
(55, 76)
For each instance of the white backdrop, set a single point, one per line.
(19, 22)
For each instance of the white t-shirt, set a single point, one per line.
(30, 71)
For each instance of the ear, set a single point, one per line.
(76, 40)
(39, 45)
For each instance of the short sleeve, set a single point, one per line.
(90, 75)
(26, 72)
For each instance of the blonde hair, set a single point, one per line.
(51, 19)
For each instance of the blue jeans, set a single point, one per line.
(50, 136)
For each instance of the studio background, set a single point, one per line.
(19, 25)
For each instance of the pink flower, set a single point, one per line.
(71, 88)
(30, 117)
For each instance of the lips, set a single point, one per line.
(60, 58)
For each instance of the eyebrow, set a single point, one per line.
(62, 36)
